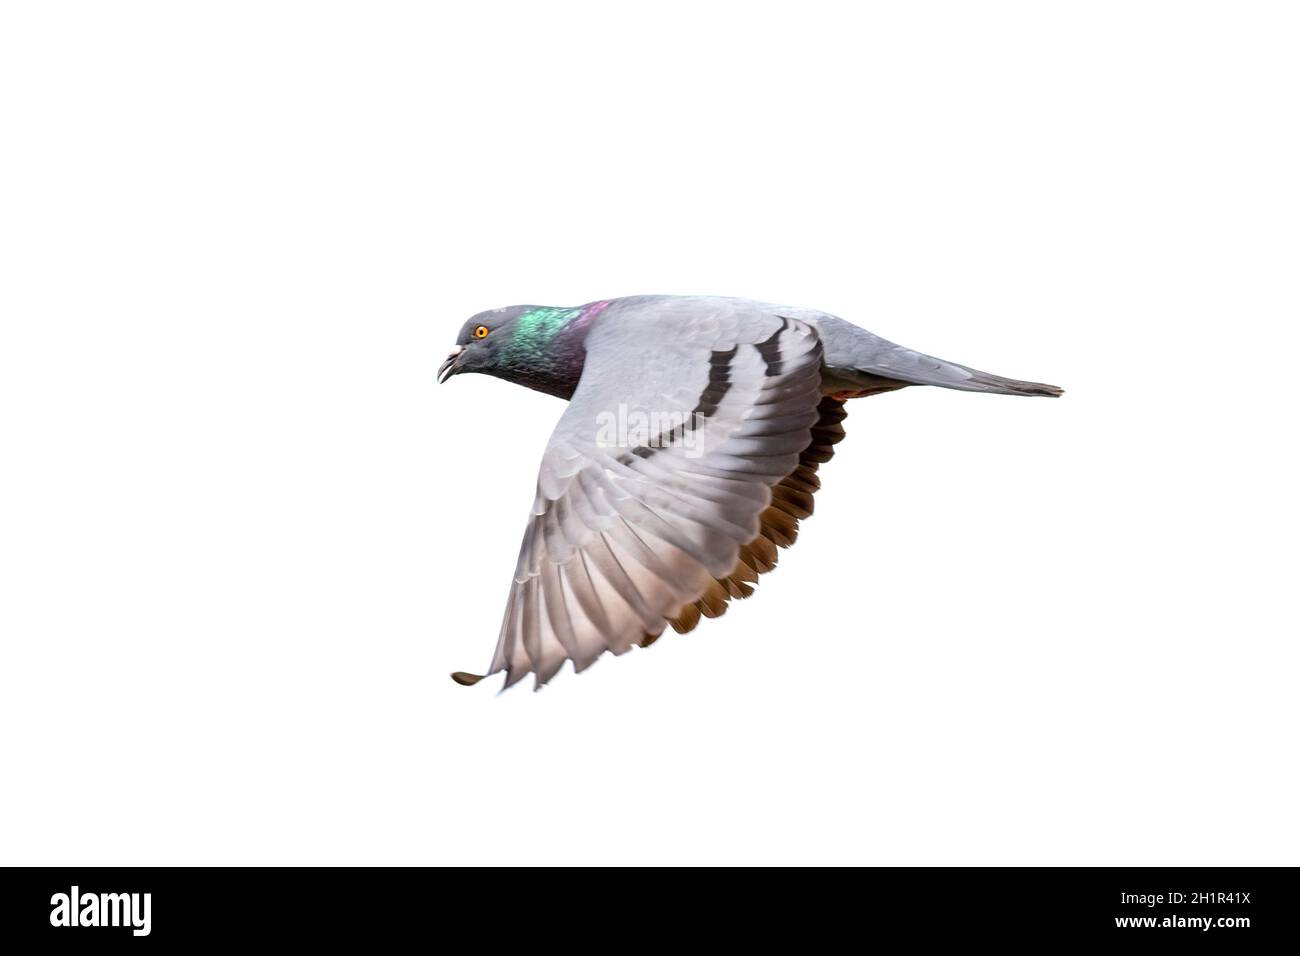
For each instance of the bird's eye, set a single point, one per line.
(481, 332)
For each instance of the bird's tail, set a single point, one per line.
(898, 364)
(986, 382)
(860, 361)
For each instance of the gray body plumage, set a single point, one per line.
(633, 533)
(852, 356)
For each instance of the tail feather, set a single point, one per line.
(985, 382)
(917, 368)
(858, 362)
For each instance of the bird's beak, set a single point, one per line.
(450, 367)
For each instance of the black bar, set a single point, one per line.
(1224, 907)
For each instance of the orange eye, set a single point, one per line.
(481, 332)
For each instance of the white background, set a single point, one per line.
(245, 537)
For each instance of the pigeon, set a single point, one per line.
(686, 457)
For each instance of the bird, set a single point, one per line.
(685, 459)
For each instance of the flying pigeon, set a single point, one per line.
(686, 457)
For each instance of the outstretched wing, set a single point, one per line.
(792, 501)
(654, 480)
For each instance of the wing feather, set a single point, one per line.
(627, 537)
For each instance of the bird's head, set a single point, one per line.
(536, 346)
(483, 344)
